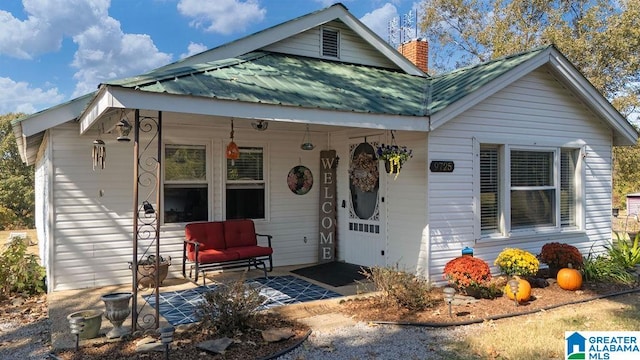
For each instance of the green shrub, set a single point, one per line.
(626, 254)
(489, 290)
(601, 268)
(401, 288)
(229, 308)
(20, 272)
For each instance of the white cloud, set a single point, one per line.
(105, 52)
(46, 24)
(20, 97)
(378, 19)
(193, 48)
(222, 16)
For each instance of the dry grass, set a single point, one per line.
(541, 335)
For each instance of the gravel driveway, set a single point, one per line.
(380, 342)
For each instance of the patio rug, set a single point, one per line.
(177, 307)
(334, 273)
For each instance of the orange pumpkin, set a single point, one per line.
(524, 291)
(569, 279)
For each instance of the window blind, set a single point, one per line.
(489, 189)
(568, 187)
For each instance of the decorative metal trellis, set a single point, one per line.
(146, 218)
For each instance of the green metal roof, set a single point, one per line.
(450, 87)
(281, 79)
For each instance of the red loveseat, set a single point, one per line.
(219, 245)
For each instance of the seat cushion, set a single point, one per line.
(240, 233)
(210, 235)
(213, 256)
(251, 251)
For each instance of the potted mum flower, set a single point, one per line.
(517, 262)
(394, 157)
(559, 255)
(470, 275)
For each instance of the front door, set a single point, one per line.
(364, 221)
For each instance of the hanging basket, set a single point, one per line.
(391, 167)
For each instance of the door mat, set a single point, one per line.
(178, 307)
(334, 273)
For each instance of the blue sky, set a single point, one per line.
(52, 51)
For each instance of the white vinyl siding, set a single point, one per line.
(91, 212)
(92, 235)
(352, 49)
(534, 112)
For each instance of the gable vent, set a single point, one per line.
(330, 42)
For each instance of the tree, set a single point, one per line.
(626, 161)
(17, 200)
(600, 37)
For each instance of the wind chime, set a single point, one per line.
(233, 153)
(99, 153)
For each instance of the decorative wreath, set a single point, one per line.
(300, 180)
(363, 172)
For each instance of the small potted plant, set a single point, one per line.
(147, 270)
(559, 255)
(394, 157)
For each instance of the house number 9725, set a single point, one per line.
(441, 166)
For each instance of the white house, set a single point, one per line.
(515, 152)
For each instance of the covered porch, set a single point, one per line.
(304, 302)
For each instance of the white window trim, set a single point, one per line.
(504, 151)
(265, 178)
(207, 146)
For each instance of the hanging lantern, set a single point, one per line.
(233, 153)
(306, 141)
(99, 154)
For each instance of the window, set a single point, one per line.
(532, 189)
(185, 183)
(245, 186)
(539, 189)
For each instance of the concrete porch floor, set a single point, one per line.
(319, 313)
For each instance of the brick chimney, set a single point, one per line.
(417, 51)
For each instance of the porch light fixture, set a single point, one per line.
(260, 125)
(148, 208)
(514, 284)
(306, 141)
(233, 153)
(448, 294)
(166, 337)
(123, 128)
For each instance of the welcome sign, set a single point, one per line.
(327, 244)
